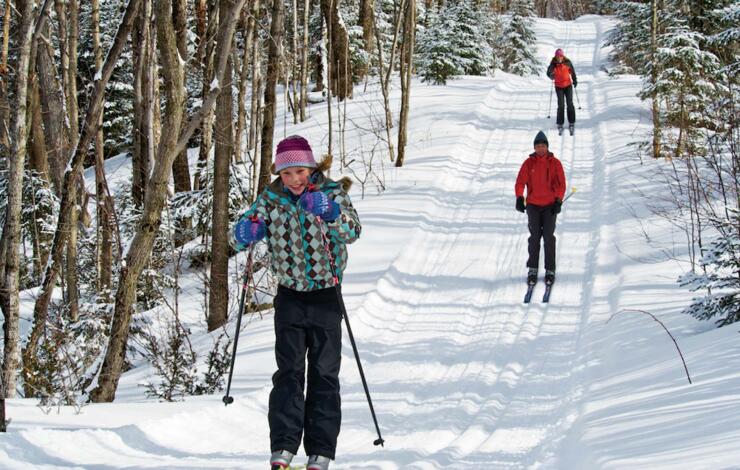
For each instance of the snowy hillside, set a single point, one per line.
(462, 373)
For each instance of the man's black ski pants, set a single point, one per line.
(541, 225)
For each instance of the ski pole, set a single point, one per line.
(577, 97)
(379, 441)
(228, 399)
(549, 106)
(572, 191)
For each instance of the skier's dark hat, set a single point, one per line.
(541, 138)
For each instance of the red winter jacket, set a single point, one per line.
(562, 72)
(544, 179)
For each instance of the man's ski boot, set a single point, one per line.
(560, 130)
(280, 459)
(572, 129)
(318, 462)
(549, 277)
(532, 276)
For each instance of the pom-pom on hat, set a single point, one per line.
(559, 53)
(294, 151)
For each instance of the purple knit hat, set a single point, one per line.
(293, 151)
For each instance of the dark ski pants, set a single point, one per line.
(541, 225)
(308, 325)
(565, 94)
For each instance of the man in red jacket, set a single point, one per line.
(542, 174)
(562, 73)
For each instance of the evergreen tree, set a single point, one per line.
(727, 38)
(456, 42)
(688, 79)
(436, 57)
(720, 277)
(518, 51)
(631, 38)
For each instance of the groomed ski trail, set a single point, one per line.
(464, 373)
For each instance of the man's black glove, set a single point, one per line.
(557, 205)
(520, 204)
(575, 84)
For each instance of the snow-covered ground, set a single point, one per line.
(462, 373)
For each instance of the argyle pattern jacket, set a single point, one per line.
(294, 236)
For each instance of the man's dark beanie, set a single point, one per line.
(541, 138)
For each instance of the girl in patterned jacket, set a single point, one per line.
(295, 214)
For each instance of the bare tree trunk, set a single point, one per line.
(274, 57)
(654, 78)
(206, 141)
(143, 102)
(69, 186)
(304, 60)
(172, 142)
(330, 82)
(255, 114)
(72, 108)
(385, 76)
(339, 38)
(55, 118)
(407, 62)
(366, 20)
(38, 162)
(180, 169)
(241, 122)
(218, 303)
(4, 106)
(294, 64)
(255, 108)
(104, 215)
(12, 230)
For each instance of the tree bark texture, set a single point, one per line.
(180, 169)
(367, 17)
(55, 118)
(206, 135)
(407, 62)
(172, 142)
(218, 303)
(12, 231)
(273, 65)
(69, 186)
(304, 60)
(143, 101)
(341, 67)
(104, 214)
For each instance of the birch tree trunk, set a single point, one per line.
(12, 231)
(273, 64)
(172, 142)
(218, 302)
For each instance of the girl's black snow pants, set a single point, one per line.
(308, 326)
